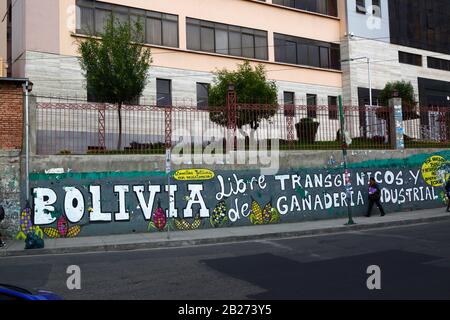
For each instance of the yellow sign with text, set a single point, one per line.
(434, 172)
(194, 175)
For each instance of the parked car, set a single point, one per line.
(13, 293)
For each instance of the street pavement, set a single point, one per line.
(414, 261)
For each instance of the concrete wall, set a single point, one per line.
(3, 40)
(10, 191)
(94, 195)
(61, 76)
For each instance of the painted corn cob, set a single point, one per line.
(26, 226)
(184, 225)
(62, 230)
(219, 216)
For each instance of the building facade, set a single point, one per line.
(4, 23)
(297, 42)
(403, 40)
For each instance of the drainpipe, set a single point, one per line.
(27, 87)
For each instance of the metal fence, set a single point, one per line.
(88, 128)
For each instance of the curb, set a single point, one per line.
(222, 240)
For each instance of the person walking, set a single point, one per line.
(374, 197)
(447, 193)
(2, 216)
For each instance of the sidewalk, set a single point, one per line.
(225, 235)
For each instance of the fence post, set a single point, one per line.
(101, 126)
(289, 112)
(232, 111)
(168, 141)
(396, 130)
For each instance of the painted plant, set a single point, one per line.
(185, 225)
(63, 229)
(27, 226)
(159, 219)
(219, 216)
(266, 215)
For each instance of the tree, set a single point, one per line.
(251, 85)
(405, 92)
(116, 65)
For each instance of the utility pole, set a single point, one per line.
(348, 186)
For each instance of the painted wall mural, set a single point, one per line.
(80, 204)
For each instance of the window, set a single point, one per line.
(440, 64)
(226, 39)
(376, 8)
(421, 24)
(361, 6)
(328, 7)
(289, 103)
(311, 101)
(307, 52)
(410, 58)
(159, 28)
(207, 39)
(332, 108)
(202, 95)
(163, 92)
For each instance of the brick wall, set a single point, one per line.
(11, 115)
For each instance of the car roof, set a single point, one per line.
(15, 288)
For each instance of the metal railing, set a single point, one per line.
(89, 128)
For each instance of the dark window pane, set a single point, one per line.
(202, 95)
(291, 52)
(261, 48)
(170, 33)
(361, 6)
(440, 64)
(163, 93)
(311, 105)
(85, 23)
(207, 39)
(248, 45)
(376, 8)
(302, 54)
(324, 57)
(335, 58)
(154, 31)
(289, 101)
(313, 55)
(332, 108)
(409, 58)
(101, 17)
(221, 41)
(328, 7)
(193, 37)
(235, 44)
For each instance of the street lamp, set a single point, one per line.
(368, 75)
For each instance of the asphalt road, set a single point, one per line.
(414, 263)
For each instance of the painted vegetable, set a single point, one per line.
(62, 230)
(159, 219)
(256, 217)
(267, 215)
(184, 225)
(219, 216)
(26, 226)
